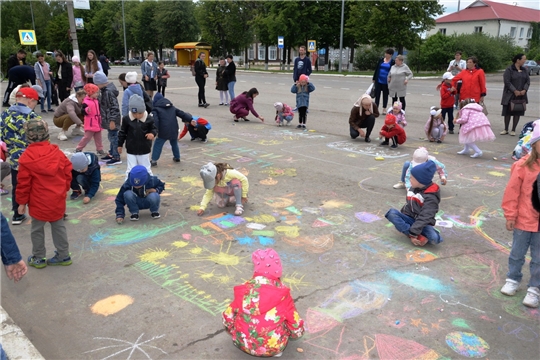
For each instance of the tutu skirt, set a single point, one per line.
(479, 134)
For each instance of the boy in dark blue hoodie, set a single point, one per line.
(417, 217)
(110, 115)
(86, 173)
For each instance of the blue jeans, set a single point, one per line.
(521, 242)
(113, 140)
(48, 94)
(231, 89)
(287, 118)
(406, 165)
(403, 223)
(135, 203)
(79, 180)
(158, 147)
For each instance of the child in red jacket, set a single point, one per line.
(262, 316)
(391, 130)
(43, 181)
(448, 99)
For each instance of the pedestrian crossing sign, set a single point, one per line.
(312, 46)
(28, 37)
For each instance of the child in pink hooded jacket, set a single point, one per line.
(92, 119)
(262, 316)
(475, 127)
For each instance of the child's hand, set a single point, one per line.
(112, 125)
(443, 181)
(86, 200)
(509, 224)
(149, 191)
(200, 212)
(119, 220)
(150, 136)
(119, 149)
(22, 209)
(244, 200)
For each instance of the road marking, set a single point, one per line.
(345, 89)
(327, 87)
(427, 95)
(281, 83)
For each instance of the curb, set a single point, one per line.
(14, 342)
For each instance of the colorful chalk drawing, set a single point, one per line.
(420, 256)
(419, 282)
(467, 344)
(370, 150)
(367, 217)
(143, 346)
(111, 305)
(125, 235)
(520, 331)
(392, 347)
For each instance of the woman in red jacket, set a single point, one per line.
(474, 81)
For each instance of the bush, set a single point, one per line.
(366, 57)
(8, 48)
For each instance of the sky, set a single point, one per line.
(452, 5)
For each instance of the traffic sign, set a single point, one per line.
(311, 46)
(280, 42)
(28, 37)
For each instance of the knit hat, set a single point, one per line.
(75, 59)
(36, 130)
(90, 89)
(39, 91)
(423, 173)
(80, 161)
(278, 106)
(447, 76)
(131, 77)
(397, 104)
(390, 119)
(100, 78)
(208, 174)
(138, 176)
(535, 133)
(304, 77)
(27, 92)
(136, 104)
(420, 156)
(266, 263)
(157, 97)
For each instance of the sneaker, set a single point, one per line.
(206, 105)
(5, 105)
(299, 126)
(399, 185)
(155, 215)
(114, 162)
(17, 219)
(384, 112)
(384, 143)
(153, 163)
(62, 136)
(278, 355)
(51, 110)
(394, 146)
(134, 217)
(504, 132)
(55, 260)
(226, 104)
(303, 126)
(77, 131)
(193, 139)
(4, 192)
(239, 210)
(475, 155)
(532, 298)
(43, 111)
(75, 194)
(367, 139)
(439, 141)
(419, 240)
(245, 119)
(451, 132)
(220, 104)
(463, 152)
(107, 157)
(204, 141)
(512, 133)
(176, 159)
(37, 263)
(510, 288)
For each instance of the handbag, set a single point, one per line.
(518, 104)
(484, 108)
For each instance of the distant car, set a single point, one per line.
(532, 67)
(166, 61)
(48, 53)
(135, 61)
(120, 62)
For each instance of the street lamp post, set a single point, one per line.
(124, 24)
(341, 36)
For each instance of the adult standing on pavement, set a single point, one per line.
(363, 116)
(455, 67)
(63, 76)
(516, 85)
(398, 78)
(104, 62)
(149, 71)
(92, 66)
(16, 59)
(380, 77)
(43, 77)
(200, 78)
(474, 81)
(18, 75)
(230, 72)
(302, 64)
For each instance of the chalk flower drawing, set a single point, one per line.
(128, 346)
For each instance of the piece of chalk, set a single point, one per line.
(299, 349)
(379, 158)
(504, 158)
(452, 278)
(397, 322)
(494, 158)
(442, 310)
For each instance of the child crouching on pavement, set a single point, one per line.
(284, 114)
(43, 180)
(262, 317)
(421, 155)
(86, 173)
(417, 217)
(140, 191)
(198, 129)
(225, 185)
(391, 130)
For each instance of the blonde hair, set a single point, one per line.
(80, 94)
(399, 57)
(532, 159)
(222, 167)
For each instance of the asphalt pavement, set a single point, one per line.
(155, 289)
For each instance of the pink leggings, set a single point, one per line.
(88, 135)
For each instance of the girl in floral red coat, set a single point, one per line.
(262, 316)
(391, 130)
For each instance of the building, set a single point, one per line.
(492, 18)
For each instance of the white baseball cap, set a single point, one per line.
(447, 76)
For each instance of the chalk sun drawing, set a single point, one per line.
(294, 280)
(420, 282)
(128, 346)
(467, 344)
(154, 255)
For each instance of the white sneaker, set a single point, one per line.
(278, 355)
(510, 288)
(77, 131)
(400, 185)
(532, 297)
(62, 136)
(239, 210)
(475, 155)
(463, 152)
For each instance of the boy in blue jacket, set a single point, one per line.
(110, 115)
(140, 191)
(86, 173)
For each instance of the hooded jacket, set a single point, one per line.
(358, 114)
(108, 103)
(153, 182)
(422, 205)
(395, 131)
(200, 122)
(92, 114)
(473, 86)
(71, 107)
(92, 175)
(133, 133)
(43, 181)
(139, 90)
(165, 114)
(13, 133)
(471, 117)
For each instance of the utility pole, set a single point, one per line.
(125, 42)
(33, 24)
(341, 37)
(72, 28)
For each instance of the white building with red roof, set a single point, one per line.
(492, 18)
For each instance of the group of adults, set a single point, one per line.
(227, 74)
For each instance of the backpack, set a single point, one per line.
(193, 68)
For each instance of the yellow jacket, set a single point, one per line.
(229, 175)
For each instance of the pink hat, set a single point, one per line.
(304, 77)
(266, 263)
(90, 89)
(75, 59)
